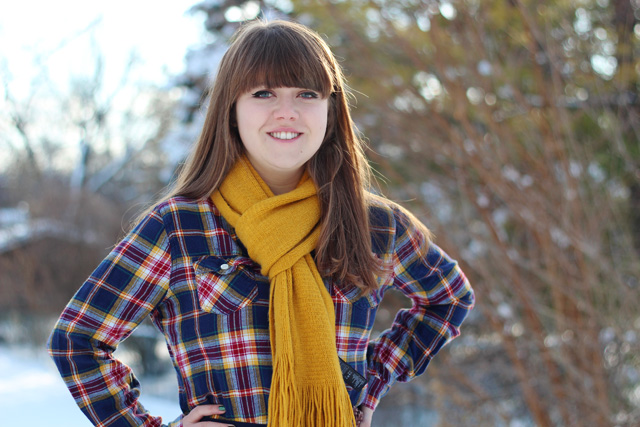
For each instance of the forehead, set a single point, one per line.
(272, 77)
(274, 62)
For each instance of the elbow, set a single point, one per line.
(55, 347)
(57, 343)
(468, 300)
(459, 311)
(465, 296)
(62, 344)
(466, 303)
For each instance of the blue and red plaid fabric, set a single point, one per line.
(185, 268)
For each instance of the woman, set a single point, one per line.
(265, 265)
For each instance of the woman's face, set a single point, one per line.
(281, 129)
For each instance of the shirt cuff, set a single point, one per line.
(376, 390)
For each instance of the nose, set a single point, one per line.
(286, 109)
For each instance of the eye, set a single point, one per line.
(262, 94)
(309, 94)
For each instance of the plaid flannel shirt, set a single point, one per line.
(184, 266)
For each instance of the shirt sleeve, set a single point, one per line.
(442, 298)
(119, 294)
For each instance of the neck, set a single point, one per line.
(284, 183)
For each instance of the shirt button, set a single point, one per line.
(224, 267)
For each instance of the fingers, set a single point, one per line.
(199, 412)
(202, 411)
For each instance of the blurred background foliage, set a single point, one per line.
(512, 128)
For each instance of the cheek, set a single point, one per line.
(323, 120)
(245, 119)
(240, 113)
(246, 135)
(323, 126)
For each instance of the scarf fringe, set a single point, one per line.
(283, 393)
(308, 406)
(319, 411)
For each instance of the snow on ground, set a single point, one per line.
(32, 393)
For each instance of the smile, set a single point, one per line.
(284, 135)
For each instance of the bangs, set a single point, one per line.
(275, 58)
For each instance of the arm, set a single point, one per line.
(442, 298)
(118, 295)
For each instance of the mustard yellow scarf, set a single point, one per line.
(279, 233)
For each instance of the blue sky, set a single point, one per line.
(159, 35)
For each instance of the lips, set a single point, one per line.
(284, 135)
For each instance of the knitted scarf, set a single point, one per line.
(279, 233)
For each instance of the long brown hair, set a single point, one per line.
(285, 54)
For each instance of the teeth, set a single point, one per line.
(284, 135)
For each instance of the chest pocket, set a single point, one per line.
(353, 295)
(358, 311)
(225, 284)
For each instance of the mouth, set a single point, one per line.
(285, 136)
